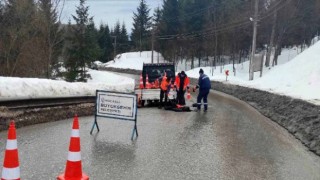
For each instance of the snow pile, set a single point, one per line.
(134, 60)
(21, 88)
(298, 78)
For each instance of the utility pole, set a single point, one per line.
(254, 39)
(115, 46)
(140, 42)
(152, 44)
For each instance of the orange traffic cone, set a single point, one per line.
(188, 95)
(141, 86)
(156, 83)
(147, 83)
(11, 169)
(74, 167)
(179, 106)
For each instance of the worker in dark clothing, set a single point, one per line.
(204, 86)
(175, 86)
(163, 90)
(182, 83)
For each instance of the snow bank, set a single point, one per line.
(298, 77)
(134, 60)
(21, 88)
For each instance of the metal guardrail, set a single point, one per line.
(29, 103)
(45, 102)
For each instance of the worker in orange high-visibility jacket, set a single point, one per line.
(163, 91)
(182, 82)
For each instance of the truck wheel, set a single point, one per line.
(156, 102)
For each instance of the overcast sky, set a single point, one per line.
(108, 11)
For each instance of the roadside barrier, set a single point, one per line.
(74, 167)
(11, 169)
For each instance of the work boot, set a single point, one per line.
(205, 110)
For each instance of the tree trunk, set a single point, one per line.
(199, 60)
(276, 55)
(192, 61)
(278, 47)
(216, 49)
(271, 44)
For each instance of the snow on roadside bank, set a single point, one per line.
(133, 60)
(298, 78)
(21, 88)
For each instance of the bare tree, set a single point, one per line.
(49, 23)
(30, 37)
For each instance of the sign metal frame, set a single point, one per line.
(113, 116)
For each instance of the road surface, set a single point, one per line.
(231, 141)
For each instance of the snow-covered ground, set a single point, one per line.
(21, 88)
(286, 55)
(133, 60)
(297, 74)
(298, 77)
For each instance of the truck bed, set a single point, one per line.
(153, 94)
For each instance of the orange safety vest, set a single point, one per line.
(164, 84)
(186, 82)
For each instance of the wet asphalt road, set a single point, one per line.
(230, 141)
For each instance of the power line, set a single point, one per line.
(243, 21)
(208, 34)
(175, 19)
(224, 27)
(272, 11)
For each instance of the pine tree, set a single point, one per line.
(92, 36)
(115, 34)
(194, 23)
(124, 39)
(84, 47)
(109, 47)
(141, 27)
(156, 20)
(157, 15)
(105, 43)
(170, 25)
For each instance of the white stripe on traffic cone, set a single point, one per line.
(11, 169)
